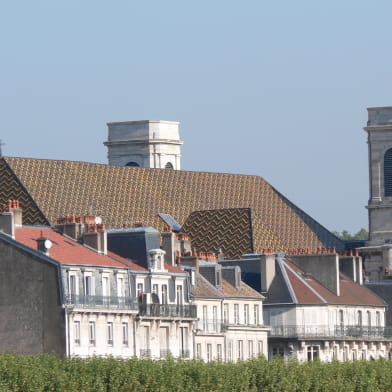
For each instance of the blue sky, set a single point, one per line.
(277, 89)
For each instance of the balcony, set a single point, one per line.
(349, 332)
(101, 302)
(169, 311)
(209, 326)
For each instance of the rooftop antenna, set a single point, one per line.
(1, 144)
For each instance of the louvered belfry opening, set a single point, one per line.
(388, 173)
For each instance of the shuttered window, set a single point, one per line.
(388, 173)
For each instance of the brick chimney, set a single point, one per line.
(96, 237)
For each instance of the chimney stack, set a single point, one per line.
(10, 216)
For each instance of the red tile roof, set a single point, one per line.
(68, 251)
(310, 291)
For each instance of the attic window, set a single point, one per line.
(169, 166)
(132, 164)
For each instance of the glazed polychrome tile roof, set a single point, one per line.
(227, 229)
(48, 189)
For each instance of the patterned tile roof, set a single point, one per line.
(48, 189)
(226, 229)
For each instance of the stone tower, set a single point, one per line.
(146, 143)
(379, 129)
(377, 254)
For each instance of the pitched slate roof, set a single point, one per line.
(68, 251)
(204, 289)
(48, 189)
(228, 290)
(295, 286)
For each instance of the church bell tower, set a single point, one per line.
(147, 143)
(379, 129)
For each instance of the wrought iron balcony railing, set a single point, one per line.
(324, 331)
(176, 311)
(209, 326)
(99, 301)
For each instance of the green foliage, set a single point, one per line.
(50, 373)
(361, 235)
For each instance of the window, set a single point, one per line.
(345, 353)
(125, 333)
(364, 354)
(256, 314)
(230, 351)
(219, 352)
(205, 321)
(378, 319)
(91, 331)
(179, 295)
(139, 288)
(198, 350)
(369, 319)
(226, 313)
(215, 318)
(388, 173)
(236, 314)
(335, 352)
(169, 165)
(110, 333)
(184, 342)
(155, 289)
(246, 314)
(72, 285)
(341, 318)
(88, 285)
(164, 293)
(209, 352)
(313, 353)
(250, 349)
(354, 355)
(240, 350)
(105, 286)
(260, 347)
(120, 286)
(359, 317)
(277, 352)
(77, 332)
(132, 164)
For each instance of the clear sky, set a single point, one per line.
(273, 88)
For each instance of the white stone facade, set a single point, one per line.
(150, 144)
(327, 332)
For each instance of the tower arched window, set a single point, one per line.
(169, 166)
(132, 164)
(388, 173)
